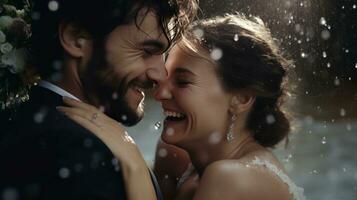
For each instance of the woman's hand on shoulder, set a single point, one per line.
(109, 131)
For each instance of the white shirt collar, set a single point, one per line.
(54, 88)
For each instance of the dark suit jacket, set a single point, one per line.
(44, 155)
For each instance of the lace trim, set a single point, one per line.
(296, 191)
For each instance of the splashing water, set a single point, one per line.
(236, 37)
(162, 152)
(157, 125)
(64, 172)
(216, 54)
(323, 140)
(53, 6)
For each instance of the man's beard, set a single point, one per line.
(103, 89)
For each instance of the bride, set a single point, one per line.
(222, 101)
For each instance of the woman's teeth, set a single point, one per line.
(174, 115)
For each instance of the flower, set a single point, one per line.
(19, 29)
(15, 33)
(5, 22)
(2, 37)
(15, 60)
(5, 48)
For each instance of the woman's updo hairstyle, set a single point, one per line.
(248, 59)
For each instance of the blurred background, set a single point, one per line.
(321, 36)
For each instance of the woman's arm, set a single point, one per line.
(136, 174)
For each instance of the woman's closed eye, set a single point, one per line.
(180, 82)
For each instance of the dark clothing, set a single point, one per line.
(45, 155)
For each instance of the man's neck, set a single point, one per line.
(71, 88)
(70, 81)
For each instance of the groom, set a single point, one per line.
(105, 53)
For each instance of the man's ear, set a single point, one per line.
(73, 39)
(241, 103)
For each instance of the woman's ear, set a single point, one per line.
(241, 103)
(73, 40)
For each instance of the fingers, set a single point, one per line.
(95, 118)
(89, 109)
(85, 123)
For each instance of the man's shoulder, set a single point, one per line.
(38, 119)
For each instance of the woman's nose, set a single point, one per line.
(163, 91)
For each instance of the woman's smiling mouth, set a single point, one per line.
(174, 116)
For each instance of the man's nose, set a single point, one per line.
(157, 72)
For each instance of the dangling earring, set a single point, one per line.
(230, 133)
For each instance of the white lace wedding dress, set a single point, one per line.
(297, 192)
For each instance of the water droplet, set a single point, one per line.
(356, 65)
(337, 81)
(162, 152)
(88, 143)
(287, 158)
(328, 65)
(166, 176)
(324, 54)
(343, 112)
(314, 172)
(236, 37)
(170, 131)
(115, 95)
(270, 119)
(322, 21)
(115, 161)
(198, 33)
(303, 55)
(216, 54)
(309, 120)
(157, 125)
(35, 15)
(39, 117)
(348, 127)
(124, 118)
(64, 172)
(102, 108)
(323, 140)
(53, 5)
(57, 65)
(354, 6)
(214, 138)
(10, 194)
(325, 34)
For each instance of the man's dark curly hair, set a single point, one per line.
(98, 18)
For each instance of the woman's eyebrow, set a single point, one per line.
(182, 70)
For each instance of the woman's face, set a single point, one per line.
(193, 99)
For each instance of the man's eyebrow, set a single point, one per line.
(153, 43)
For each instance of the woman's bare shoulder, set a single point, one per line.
(233, 179)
